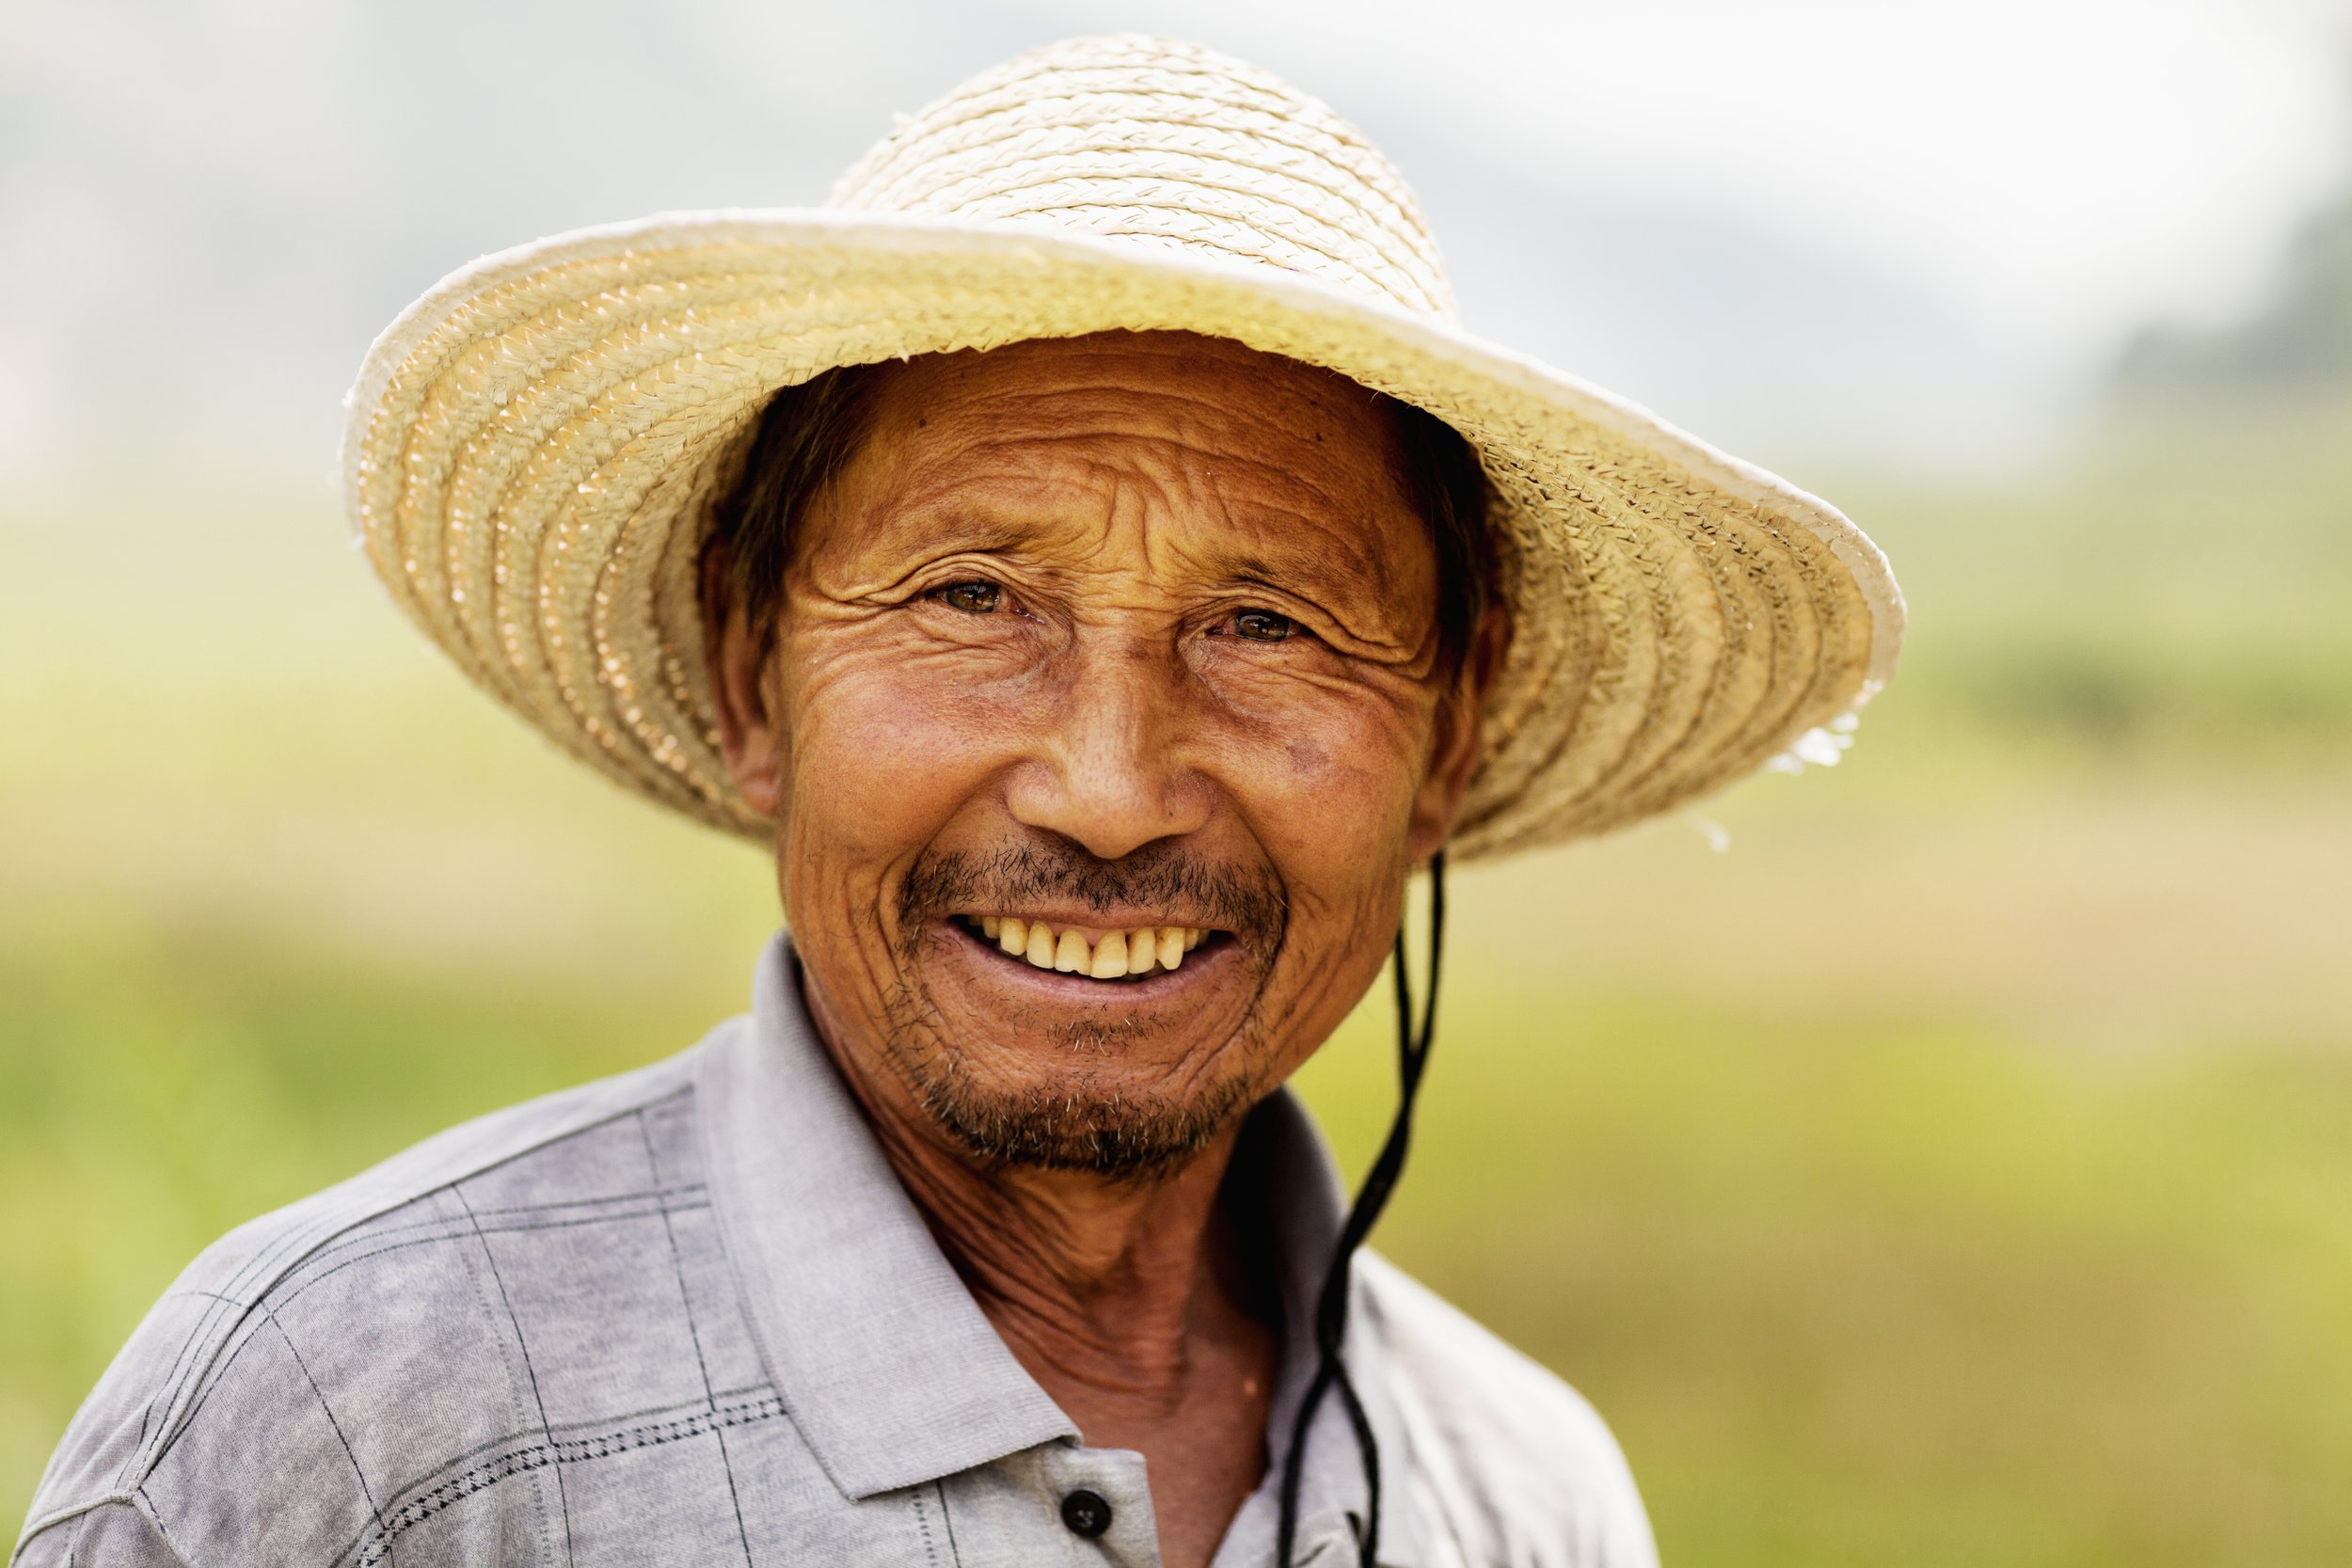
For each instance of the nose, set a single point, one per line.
(1111, 762)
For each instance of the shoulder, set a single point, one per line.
(1518, 1467)
(312, 1353)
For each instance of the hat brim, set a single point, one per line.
(533, 446)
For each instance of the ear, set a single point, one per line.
(1453, 756)
(750, 742)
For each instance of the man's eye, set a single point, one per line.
(1262, 625)
(972, 598)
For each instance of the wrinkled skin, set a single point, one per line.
(1123, 630)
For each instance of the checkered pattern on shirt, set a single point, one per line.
(542, 1361)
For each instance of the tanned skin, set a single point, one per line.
(1153, 613)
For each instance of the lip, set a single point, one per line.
(974, 957)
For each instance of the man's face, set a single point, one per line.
(1101, 654)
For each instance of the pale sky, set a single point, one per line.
(1907, 229)
(2067, 168)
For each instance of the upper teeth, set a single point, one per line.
(1116, 953)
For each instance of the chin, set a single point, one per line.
(1051, 1118)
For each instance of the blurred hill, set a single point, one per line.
(2299, 340)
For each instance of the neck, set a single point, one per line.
(1091, 1281)
(1128, 1300)
(1104, 1288)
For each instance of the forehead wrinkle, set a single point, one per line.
(1301, 408)
(1329, 551)
(1123, 509)
(1165, 476)
(1110, 404)
(1015, 469)
(1323, 495)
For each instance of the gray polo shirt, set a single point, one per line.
(688, 1316)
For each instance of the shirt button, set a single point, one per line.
(1086, 1513)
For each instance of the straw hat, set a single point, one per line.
(533, 447)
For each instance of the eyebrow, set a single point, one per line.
(1246, 568)
(958, 528)
(1356, 568)
(946, 524)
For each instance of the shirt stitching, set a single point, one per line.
(701, 1366)
(282, 1294)
(221, 1375)
(144, 1506)
(370, 1231)
(731, 1397)
(195, 1352)
(947, 1522)
(365, 1491)
(409, 1491)
(563, 1502)
(483, 1230)
(187, 1422)
(204, 1342)
(73, 1548)
(557, 1452)
(923, 1524)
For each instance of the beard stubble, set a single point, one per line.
(1076, 1123)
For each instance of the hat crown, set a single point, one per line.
(1158, 144)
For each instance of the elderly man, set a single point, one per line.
(1089, 560)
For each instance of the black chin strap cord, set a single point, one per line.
(1412, 1049)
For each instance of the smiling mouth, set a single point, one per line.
(1126, 954)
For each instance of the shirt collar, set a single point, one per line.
(887, 1365)
(878, 1350)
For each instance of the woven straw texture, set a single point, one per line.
(534, 446)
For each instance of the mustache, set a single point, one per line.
(1167, 878)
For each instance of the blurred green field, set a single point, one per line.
(1955, 1170)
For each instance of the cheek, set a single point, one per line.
(880, 753)
(1330, 790)
(1329, 796)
